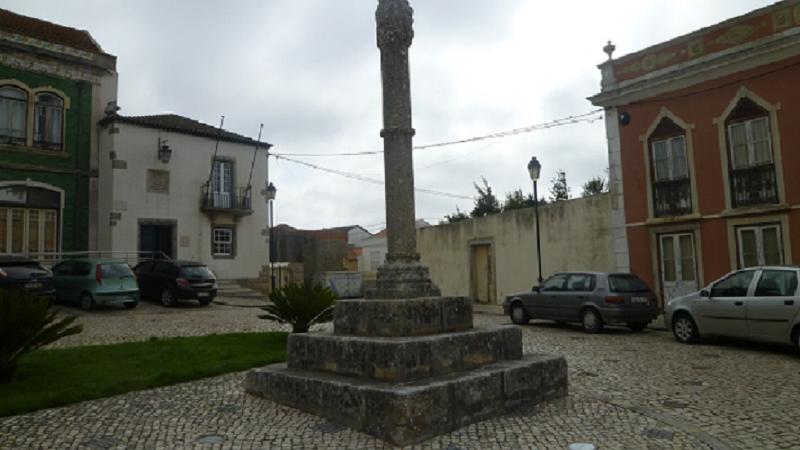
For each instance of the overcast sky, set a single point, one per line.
(309, 71)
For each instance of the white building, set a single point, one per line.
(169, 185)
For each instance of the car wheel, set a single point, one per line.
(167, 297)
(87, 302)
(591, 320)
(131, 305)
(684, 329)
(518, 314)
(637, 327)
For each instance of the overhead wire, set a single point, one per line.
(589, 117)
(358, 177)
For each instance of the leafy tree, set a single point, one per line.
(25, 325)
(486, 203)
(559, 190)
(300, 306)
(517, 200)
(457, 216)
(594, 186)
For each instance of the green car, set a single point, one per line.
(91, 282)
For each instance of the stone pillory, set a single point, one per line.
(406, 364)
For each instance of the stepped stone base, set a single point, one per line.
(408, 317)
(405, 370)
(410, 412)
(404, 358)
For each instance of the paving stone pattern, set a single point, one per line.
(627, 391)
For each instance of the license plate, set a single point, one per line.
(34, 285)
(202, 294)
(640, 300)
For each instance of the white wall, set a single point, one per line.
(575, 235)
(189, 169)
(370, 245)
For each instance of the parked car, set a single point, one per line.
(170, 281)
(28, 275)
(92, 281)
(758, 303)
(592, 298)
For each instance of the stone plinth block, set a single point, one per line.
(402, 317)
(404, 358)
(410, 412)
(400, 280)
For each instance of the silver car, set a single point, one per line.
(758, 303)
(591, 298)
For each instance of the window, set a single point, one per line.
(222, 187)
(13, 115)
(626, 283)
(48, 120)
(677, 257)
(752, 169)
(65, 268)
(760, 245)
(581, 282)
(28, 219)
(735, 285)
(672, 191)
(222, 242)
(555, 283)
(777, 283)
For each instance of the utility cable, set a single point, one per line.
(588, 117)
(358, 177)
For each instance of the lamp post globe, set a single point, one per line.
(271, 191)
(534, 169)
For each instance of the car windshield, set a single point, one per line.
(115, 270)
(196, 272)
(626, 283)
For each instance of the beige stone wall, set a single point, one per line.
(575, 235)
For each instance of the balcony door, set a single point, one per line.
(222, 184)
(678, 265)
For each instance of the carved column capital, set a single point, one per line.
(395, 20)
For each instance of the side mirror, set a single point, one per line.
(705, 293)
(535, 289)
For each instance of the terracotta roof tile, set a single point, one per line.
(47, 31)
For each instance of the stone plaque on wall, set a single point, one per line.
(158, 181)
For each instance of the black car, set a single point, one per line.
(170, 281)
(28, 275)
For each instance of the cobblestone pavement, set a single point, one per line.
(112, 324)
(627, 391)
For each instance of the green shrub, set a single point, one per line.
(25, 325)
(301, 306)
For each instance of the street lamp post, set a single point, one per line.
(271, 191)
(534, 168)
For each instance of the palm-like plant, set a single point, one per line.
(301, 306)
(25, 325)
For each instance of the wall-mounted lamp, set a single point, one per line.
(164, 152)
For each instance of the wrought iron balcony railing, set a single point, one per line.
(672, 198)
(239, 201)
(754, 186)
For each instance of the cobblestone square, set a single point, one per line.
(627, 391)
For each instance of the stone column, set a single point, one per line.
(394, 29)
(401, 276)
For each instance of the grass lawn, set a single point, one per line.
(50, 378)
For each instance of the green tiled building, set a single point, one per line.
(55, 84)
